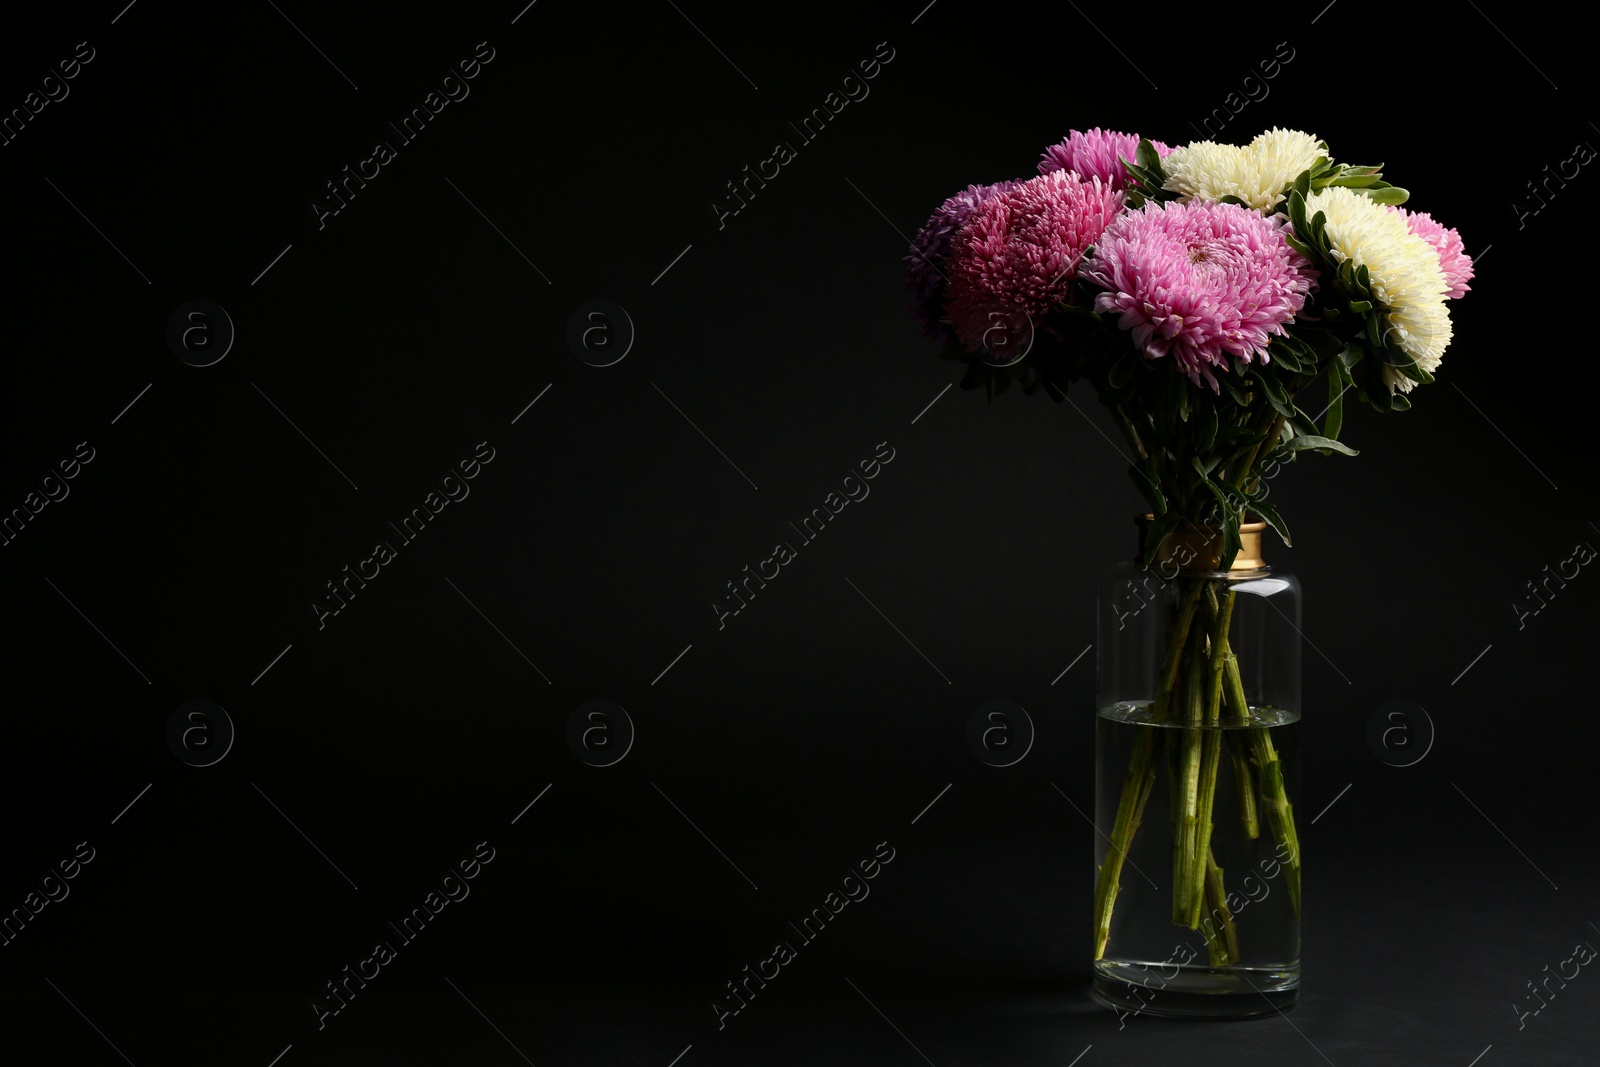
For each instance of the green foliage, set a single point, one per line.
(1146, 176)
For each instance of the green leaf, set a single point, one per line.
(1302, 423)
(1208, 426)
(1143, 176)
(1374, 333)
(1224, 505)
(1297, 212)
(1148, 172)
(1276, 395)
(1235, 495)
(1152, 475)
(1399, 402)
(1165, 523)
(1305, 441)
(1392, 194)
(1336, 387)
(1353, 181)
(1244, 450)
(1148, 489)
(1229, 384)
(1270, 516)
(1375, 391)
(1323, 342)
(1402, 361)
(1230, 539)
(1149, 158)
(1284, 357)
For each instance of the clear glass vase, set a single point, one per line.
(1197, 858)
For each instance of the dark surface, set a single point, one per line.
(809, 729)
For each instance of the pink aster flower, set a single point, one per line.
(1453, 258)
(1017, 254)
(1094, 154)
(925, 263)
(1199, 282)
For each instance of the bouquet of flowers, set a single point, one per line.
(1207, 292)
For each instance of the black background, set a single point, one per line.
(410, 327)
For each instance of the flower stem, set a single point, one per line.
(1280, 813)
(1221, 616)
(1187, 862)
(1269, 772)
(1262, 450)
(1174, 656)
(1238, 754)
(1243, 789)
(1126, 426)
(1136, 786)
(1223, 945)
(1210, 751)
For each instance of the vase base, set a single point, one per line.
(1219, 993)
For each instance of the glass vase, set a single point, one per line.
(1197, 859)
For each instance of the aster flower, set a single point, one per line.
(1017, 254)
(1405, 272)
(1256, 173)
(1095, 154)
(929, 251)
(1199, 282)
(1453, 260)
(1280, 155)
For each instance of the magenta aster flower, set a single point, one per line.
(1094, 154)
(929, 251)
(1199, 282)
(1453, 258)
(1017, 254)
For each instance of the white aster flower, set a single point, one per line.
(1256, 173)
(1206, 170)
(1280, 156)
(1403, 269)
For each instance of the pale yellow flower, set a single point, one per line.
(1256, 173)
(1404, 270)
